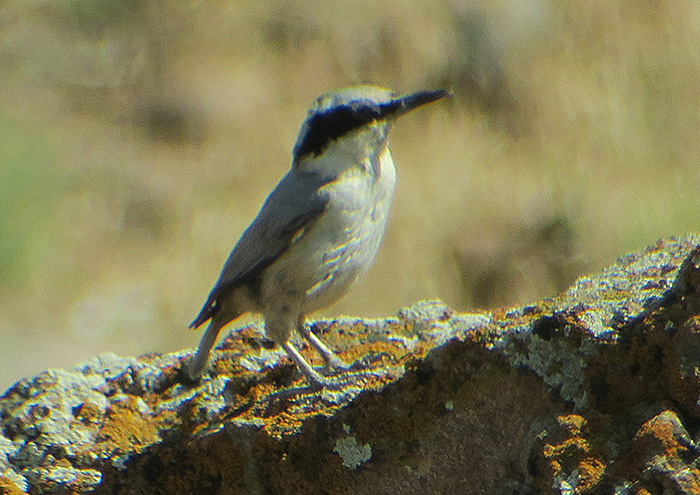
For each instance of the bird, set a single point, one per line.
(319, 229)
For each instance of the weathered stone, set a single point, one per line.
(594, 391)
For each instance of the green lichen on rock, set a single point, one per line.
(352, 453)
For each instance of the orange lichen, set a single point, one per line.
(572, 422)
(126, 429)
(574, 452)
(591, 471)
(7, 487)
(88, 412)
(662, 429)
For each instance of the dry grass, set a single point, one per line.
(138, 140)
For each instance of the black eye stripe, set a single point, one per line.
(334, 123)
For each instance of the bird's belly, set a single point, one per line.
(341, 262)
(328, 257)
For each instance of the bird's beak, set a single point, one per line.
(404, 104)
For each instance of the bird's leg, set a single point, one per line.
(328, 356)
(311, 374)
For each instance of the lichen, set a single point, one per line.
(352, 454)
(556, 363)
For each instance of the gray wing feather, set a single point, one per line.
(294, 203)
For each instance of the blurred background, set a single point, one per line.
(138, 139)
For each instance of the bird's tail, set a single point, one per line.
(196, 366)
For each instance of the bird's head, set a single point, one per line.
(355, 120)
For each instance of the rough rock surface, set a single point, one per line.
(594, 391)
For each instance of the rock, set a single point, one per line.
(594, 391)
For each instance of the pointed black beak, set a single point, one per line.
(404, 104)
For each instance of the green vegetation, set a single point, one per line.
(29, 191)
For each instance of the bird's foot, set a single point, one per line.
(334, 362)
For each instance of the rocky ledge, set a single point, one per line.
(593, 391)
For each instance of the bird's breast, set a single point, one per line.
(338, 246)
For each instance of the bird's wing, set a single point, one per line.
(295, 202)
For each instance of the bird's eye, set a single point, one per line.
(324, 127)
